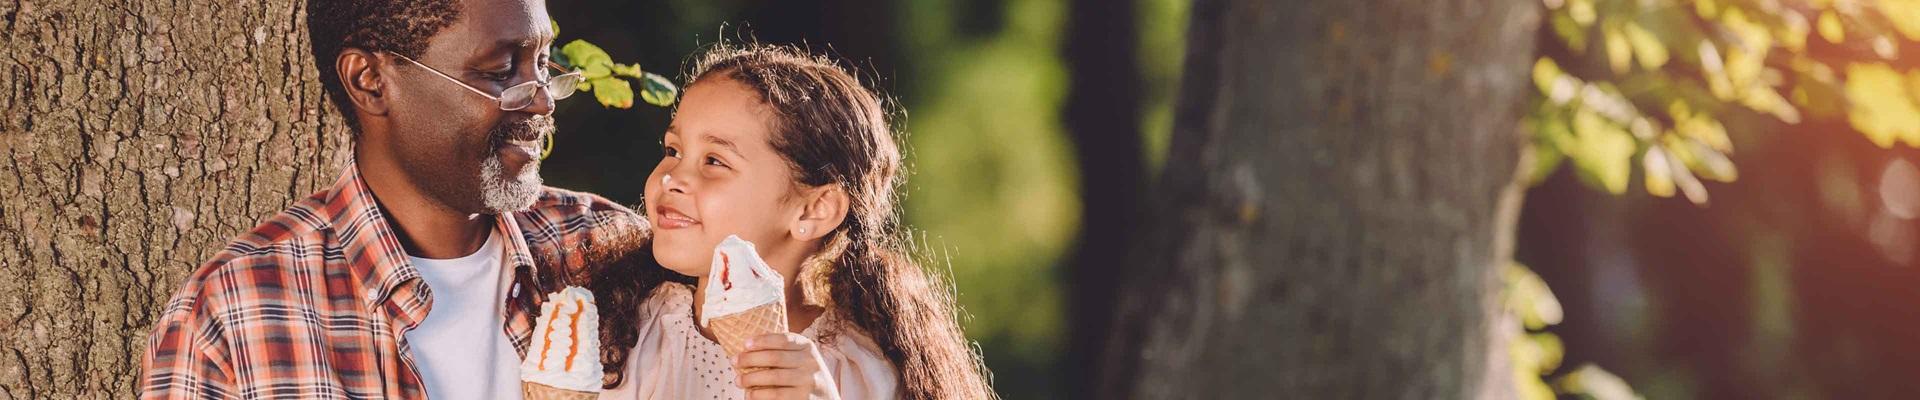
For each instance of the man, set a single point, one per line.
(414, 275)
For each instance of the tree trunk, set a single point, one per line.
(138, 137)
(1341, 189)
(1102, 113)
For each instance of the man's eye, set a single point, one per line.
(498, 76)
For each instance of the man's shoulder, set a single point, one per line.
(299, 231)
(265, 254)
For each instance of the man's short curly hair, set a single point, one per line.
(399, 26)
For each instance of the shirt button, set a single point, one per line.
(372, 293)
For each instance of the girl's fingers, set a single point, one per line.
(776, 378)
(776, 393)
(791, 359)
(778, 341)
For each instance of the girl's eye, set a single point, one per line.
(715, 161)
(669, 151)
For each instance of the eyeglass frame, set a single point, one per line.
(543, 85)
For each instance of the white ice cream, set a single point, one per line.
(739, 281)
(566, 343)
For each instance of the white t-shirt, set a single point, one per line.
(461, 349)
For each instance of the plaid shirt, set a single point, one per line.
(313, 302)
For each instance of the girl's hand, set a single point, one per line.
(783, 366)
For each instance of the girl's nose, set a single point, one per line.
(666, 181)
(679, 178)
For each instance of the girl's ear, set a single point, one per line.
(360, 75)
(824, 211)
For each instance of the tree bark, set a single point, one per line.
(1340, 191)
(138, 137)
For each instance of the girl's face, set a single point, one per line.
(719, 175)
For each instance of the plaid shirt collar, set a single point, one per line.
(376, 257)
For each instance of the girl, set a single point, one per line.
(790, 152)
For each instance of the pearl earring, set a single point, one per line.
(803, 230)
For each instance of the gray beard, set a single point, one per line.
(500, 193)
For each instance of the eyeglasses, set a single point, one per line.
(520, 96)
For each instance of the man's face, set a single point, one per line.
(458, 146)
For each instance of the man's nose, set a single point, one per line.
(542, 102)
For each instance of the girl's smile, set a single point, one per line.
(669, 218)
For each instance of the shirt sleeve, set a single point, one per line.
(569, 232)
(186, 356)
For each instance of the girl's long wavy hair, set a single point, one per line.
(833, 131)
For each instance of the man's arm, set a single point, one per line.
(186, 355)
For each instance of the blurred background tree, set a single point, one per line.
(1782, 287)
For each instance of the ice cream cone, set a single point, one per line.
(733, 330)
(563, 359)
(535, 391)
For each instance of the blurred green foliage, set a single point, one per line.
(993, 182)
(1163, 43)
(994, 179)
(1633, 82)
(1536, 353)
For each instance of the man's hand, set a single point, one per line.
(783, 366)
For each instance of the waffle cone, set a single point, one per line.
(733, 330)
(535, 391)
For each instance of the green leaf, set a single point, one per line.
(1646, 47)
(1546, 159)
(586, 55)
(1551, 350)
(1594, 383)
(1554, 83)
(657, 90)
(613, 92)
(1715, 68)
(1767, 101)
(1659, 171)
(1570, 31)
(1605, 151)
(1905, 16)
(597, 71)
(1700, 158)
(1829, 27)
(1881, 107)
(1582, 12)
(1619, 52)
(628, 71)
(1529, 298)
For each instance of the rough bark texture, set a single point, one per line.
(137, 138)
(1340, 191)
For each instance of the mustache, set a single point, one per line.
(531, 128)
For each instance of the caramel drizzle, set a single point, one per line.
(573, 349)
(547, 342)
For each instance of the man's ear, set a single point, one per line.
(824, 211)
(360, 75)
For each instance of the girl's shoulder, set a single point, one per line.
(669, 298)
